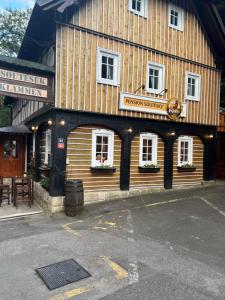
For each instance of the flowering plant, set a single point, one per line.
(186, 165)
(150, 166)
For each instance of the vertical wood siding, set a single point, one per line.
(148, 180)
(114, 18)
(193, 177)
(23, 109)
(78, 89)
(79, 154)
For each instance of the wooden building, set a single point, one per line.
(136, 88)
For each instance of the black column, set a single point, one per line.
(58, 171)
(125, 162)
(210, 158)
(37, 161)
(168, 162)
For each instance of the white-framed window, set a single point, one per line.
(176, 17)
(108, 67)
(139, 7)
(148, 149)
(155, 78)
(193, 86)
(185, 150)
(102, 147)
(48, 144)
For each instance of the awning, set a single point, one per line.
(18, 129)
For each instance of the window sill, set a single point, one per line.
(108, 83)
(148, 170)
(176, 28)
(186, 170)
(100, 170)
(137, 13)
(189, 98)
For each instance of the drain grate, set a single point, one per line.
(62, 273)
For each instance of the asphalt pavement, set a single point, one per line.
(167, 245)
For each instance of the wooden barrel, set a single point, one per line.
(74, 197)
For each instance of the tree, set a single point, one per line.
(13, 25)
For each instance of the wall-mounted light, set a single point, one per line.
(140, 87)
(34, 128)
(50, 122)
(209, 136)
(130, 130)
(162, 92)
(171, 133)
(62, 122)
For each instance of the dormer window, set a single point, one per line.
(139, 7)
(176, 17)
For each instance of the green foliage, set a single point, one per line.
(45, 183)
(13, 25)
(4, 114)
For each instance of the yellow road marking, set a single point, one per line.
(72, 293)
(70, 230)
(120, 272)
(112, 224)
(101, 228)
(67, 228)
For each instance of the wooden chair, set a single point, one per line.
(22, 191)
(4, 192)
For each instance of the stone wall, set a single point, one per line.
(49, 204)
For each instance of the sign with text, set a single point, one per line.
(146, 104)
(61, 143)
(26, 86)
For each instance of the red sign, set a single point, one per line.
(61, 144)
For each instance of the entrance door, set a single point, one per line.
(12, 154)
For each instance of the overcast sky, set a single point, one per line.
(16, 3)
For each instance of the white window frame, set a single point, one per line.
(180, 12)
(188, 139)
(197, 77)
(116, 67)
(144, 9)
(154, 138)
(48, 144)
(110, 135)
(161, 69)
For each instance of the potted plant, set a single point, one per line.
(186, 167)
(149, 168)
(103, 168)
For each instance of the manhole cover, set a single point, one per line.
(62, 273)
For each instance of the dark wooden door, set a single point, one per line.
(12, 154)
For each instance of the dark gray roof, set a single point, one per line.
(18, 129)
(7, 60)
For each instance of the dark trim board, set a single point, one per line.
(127, 42)
(122, 126)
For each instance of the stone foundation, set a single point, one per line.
(49, 204)
(52, 205)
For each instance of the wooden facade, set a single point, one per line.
(84, 103)
(77, 87)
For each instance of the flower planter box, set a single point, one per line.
(97, 170)
(186, 170)
(148, 170)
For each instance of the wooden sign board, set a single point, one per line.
(146, 104)
(25, 85)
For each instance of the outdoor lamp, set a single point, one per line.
(62, 122)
